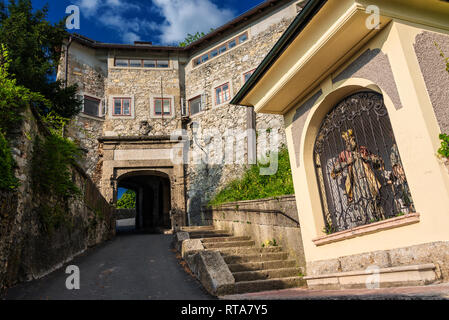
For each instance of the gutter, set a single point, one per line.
(67, 60)
(297, 26)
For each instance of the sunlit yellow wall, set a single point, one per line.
(416, 131)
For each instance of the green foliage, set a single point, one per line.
(52, 178)
(13, 100)
(255, 186)
(54, 217)
(270, 243)
(127, 201)
(7, 179)
(52, 160)
(190, 38)
(55, 123)
(329, 229)
(444, 149)
(34, 46)
(13, 97)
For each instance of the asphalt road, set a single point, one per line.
(131, 267)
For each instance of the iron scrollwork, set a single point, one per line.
(358, 166)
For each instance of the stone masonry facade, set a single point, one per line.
(92, 65)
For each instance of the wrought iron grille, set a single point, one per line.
(358, 166)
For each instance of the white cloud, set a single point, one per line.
(180, 17)
(130, 37)
(119, 4)
(189, 16)
(110, 13)
(88, 7)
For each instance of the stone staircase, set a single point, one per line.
(254, 268)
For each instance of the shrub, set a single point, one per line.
(444, 149)
(255, 186)
(13, 100)
(52, 180)
(7, 179)
(52, 160)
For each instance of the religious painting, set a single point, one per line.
(359, 169)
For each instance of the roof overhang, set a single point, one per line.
(322, 41)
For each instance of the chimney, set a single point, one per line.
(143, 43)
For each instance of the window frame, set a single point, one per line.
(142, 63)
(247, 72)
(121, 106)
(199, 59)
(201, 106)
(228, 83)
(162, 115)
(92, 98)
(102, 106)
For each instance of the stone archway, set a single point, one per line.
(153, 198)
(146, 162)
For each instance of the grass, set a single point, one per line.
(254, 186)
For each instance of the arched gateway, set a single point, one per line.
(153, 198)
(145, 165)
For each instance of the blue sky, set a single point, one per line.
(160, 21)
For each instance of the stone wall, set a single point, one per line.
(89, 74)
(95, 72)
(144, 85)
(433, 67)
(204, 181)
(262, 220)
(27, 250)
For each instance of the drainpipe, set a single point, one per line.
(67, 60)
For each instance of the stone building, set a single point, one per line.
(146, 107)
(363, 88)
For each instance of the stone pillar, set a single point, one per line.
(178, 210)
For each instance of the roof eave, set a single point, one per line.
(301, 21)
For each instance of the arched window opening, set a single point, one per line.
(359, 169)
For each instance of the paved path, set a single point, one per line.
(132, 266)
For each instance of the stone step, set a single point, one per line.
(197, 228)
(224, 239)
(266, 274)
(208, 235)
(267, 285)
(212, 231)
(247, 250)
(229, 244)
(399, 276)
(262, 265)
(258, 257)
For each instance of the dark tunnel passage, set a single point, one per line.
(153, 199)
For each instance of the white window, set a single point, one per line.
(222, 94)
(142, 63)
(122, 107)
(91, 106)
(162, 107)
(195, 105)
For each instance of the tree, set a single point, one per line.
(190, 38)
(13, 100)
(127, 201)
(34, 46)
